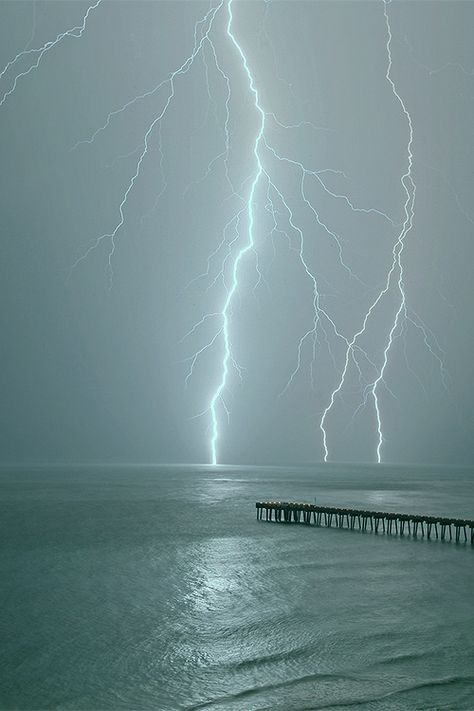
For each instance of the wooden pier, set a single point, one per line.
(376, 521)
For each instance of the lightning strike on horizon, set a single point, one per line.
(235, 245)
(395, 273)
(321, 318)
(409, 187)
(396, 263)
(216, 397)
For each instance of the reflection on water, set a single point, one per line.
(156, 588)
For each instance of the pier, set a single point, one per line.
(376, 521)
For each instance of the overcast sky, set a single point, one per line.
(95, 369)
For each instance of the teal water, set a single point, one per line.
(156, 588)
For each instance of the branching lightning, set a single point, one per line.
(263, 188)
(170, 82)
(395, 277)
(39, 53)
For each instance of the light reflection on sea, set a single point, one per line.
(156, 588)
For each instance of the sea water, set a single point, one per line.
(156, 588)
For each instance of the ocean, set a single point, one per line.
(155, 587)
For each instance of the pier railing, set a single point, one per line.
(358, 519)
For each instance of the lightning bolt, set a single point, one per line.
(395, 277)
(409, 210)
(248, 246)
(395, 273)
(322, 322)
(285, 211)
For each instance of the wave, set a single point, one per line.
(246, 694)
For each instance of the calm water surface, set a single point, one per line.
(156, 588)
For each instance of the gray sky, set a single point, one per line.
(95, 369)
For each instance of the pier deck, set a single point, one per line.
(358, 519)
